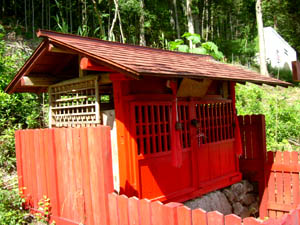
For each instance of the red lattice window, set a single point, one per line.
(152, 127)
(184, 118)
(216, 121)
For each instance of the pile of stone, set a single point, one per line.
(240, 199)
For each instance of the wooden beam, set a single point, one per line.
(39, 81)
(55, 49)
(87, 64)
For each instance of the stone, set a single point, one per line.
(248, 199)
(214, 201)
(240, 210)
(248, 187)
(230, 195)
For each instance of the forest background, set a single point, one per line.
(229, 24)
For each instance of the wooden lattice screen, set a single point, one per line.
(74, 103)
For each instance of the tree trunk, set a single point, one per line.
(26, 26)
(120, 25)
(32, 5)
(142, 24)
(110, 33)
(176, 19)
(102, 34)
(190, 19)
(262, 50)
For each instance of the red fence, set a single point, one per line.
(73, 168)
(276, 173)
(133, 211)
(70, 166)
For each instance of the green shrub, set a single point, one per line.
(281, 107)
(11, 211)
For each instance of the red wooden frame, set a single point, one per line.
(146, 143)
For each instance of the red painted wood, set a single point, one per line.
(156, 213)
(215, 218)
(134, 211)
(251, 221)
(123, 210)
(233, 220)
(170, 213)
(199, 217)
(184, 215)
(85, 166)
(113, 209)
(145, 210)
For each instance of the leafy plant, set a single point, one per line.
(11, 210)
(206, 48)
(281, 107)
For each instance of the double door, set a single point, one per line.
(206, 148)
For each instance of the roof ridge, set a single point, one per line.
(43, 33)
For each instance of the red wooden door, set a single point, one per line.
(207, 140)
(157, 178)
(215, 145)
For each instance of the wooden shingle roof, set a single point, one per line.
(144, 61)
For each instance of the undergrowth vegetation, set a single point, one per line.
(281, 107)
(11, 211)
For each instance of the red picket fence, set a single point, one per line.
(282, 172)
(72, 167)
(133, 211)
(276, 173)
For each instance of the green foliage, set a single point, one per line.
(206, 48)
(282, 73)
(17, 111)
(281, 107)
(11, 211)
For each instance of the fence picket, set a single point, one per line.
(184, 215)
(215, 218)
(170, 213)
(134, 211)
(251, 221)
(145, 210)
(199, 217)
(156, 212)
(233, 220)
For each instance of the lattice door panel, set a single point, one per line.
(152, 127)
(216, 121)
(74, 103)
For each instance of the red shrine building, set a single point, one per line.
(174, 127)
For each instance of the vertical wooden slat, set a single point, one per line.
(184, 215)
(287, 187)
(123, 209)
(251, 221)
(113, 210)
(215, 218)
(156, 212)
(86, 179)
(199, 217)
(208, 122)
(159, 128)
(141, 129)
(134, 211)
(145, 210)
(153, 129)
(233, 220)
(295, 179)
(149, 150)
(165, 124)
(19, 150)
(170, 213)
